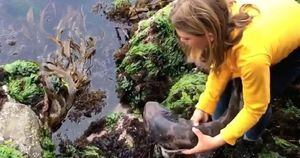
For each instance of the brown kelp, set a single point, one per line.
(66, 75)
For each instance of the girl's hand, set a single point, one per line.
(205, 143)
(199, 116)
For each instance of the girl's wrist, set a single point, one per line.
(218, 140)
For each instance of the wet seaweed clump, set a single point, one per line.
(65, 77)
(153, 62)
(119, 11)
(125, 11)
(47, 144)
(86, 104)
(184, 94)
(23, 82)
(21, 68)
(117, 135)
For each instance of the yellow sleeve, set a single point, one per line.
(255, 75)
(214, 87)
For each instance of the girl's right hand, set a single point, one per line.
(199, 116)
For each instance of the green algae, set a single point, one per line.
(8, 150)
(111, 120)
(23, 82)
(26, 90)
(21, 68)
(121, 3)
(47, 144)
(153, 62)
(185, 93)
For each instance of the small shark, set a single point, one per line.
(175, 134)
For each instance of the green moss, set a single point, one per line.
(111, 120)
(286, 145)
(185, 93)
(8, 150)
(154, 57)
(70, 151)
(268, 154)
(91, 152)
(164, 12)
(26, 90)
(47, 144)
(86, 152)
(56, 83)
(21, 68)
(22, 81)
(291, 110)
(121, 3)
(139, 60)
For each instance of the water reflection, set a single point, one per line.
(25, 26)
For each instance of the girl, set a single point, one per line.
(257, 41)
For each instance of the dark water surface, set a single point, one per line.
(26, 24)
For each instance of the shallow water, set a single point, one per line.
(25, 26)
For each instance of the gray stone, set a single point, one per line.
(20, 124)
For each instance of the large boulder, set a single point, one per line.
(151, 62)
(19, 124)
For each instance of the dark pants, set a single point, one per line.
(282, 76)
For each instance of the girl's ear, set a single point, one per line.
(210, 37)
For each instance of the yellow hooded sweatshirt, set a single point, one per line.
(273, 33)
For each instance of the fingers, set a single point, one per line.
(189, 151)
(195, 120)
(194, 150)
(195, 123)
(197, 117)
(197, 132)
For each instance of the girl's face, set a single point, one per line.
(199, 41)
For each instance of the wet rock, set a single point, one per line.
(20, 124)
(11, 42)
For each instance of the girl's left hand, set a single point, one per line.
(205, 143)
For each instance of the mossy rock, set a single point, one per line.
(21, 68)
(26, 90)
(121, 3)
(153, 62)
(185, 93)
(22, 80)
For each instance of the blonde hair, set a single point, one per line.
(200, 17)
